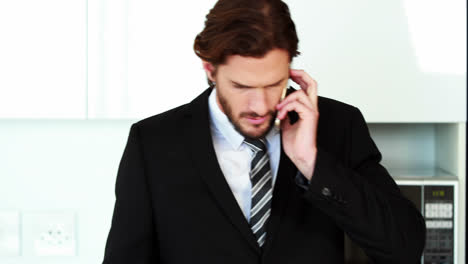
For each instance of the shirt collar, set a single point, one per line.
(221, 124)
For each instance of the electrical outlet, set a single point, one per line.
(9, 233)
(49, 234)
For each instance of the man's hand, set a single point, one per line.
(299, 139)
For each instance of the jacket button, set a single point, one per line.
(326, 191)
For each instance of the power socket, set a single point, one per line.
(49, 234)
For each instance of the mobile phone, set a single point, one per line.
(283, 95)
(292, 115)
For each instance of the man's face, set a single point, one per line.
(248, 89)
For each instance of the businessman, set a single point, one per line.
(215, 181)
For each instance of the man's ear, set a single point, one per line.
(210, 70)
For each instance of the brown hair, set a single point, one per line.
(247, 28)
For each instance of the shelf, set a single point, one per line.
(417, 176)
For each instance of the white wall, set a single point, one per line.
(63, 165)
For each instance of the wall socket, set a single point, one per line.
(49, 233)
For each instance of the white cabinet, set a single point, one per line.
(379, 56)
(398, 61)
(43, 59)
(141, 60)
(131, 59)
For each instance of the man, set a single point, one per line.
(214, 181)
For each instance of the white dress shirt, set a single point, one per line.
(234, 156)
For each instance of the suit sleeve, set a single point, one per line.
(131, 238)
(365, 201)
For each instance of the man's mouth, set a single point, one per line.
(256, 120)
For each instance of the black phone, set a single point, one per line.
(293, 115)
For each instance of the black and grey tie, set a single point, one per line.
(261, 178)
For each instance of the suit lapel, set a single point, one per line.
(204, 157)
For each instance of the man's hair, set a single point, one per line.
(248, 28)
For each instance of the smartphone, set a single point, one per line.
(283, 95)
(293, 116)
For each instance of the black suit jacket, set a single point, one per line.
(174, 206)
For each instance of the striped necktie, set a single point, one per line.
(261, 178)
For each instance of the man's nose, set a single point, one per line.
(258, 102)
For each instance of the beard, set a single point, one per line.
(237, 124)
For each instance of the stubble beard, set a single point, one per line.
(236, 122)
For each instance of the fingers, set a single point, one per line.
(307, 96)
(307, 84)
(298, 95)
(302, 110)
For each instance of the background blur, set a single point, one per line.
(75, 74)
